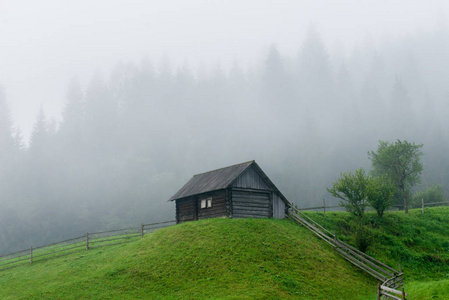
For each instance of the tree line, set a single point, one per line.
(126, 142)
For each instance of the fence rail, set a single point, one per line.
(85, 242)
(431, 204)
(323, 207)
(386, 292)
(400, 207)
(390, 278)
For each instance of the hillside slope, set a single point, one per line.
(419, 242)
(229, 259)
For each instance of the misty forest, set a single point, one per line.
(128, 140)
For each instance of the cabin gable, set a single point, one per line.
(250, 179)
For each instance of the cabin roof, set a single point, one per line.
(220, 179)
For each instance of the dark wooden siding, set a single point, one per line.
(185, 209)
(250, 180)
(250, 204)
(218, 208)
(278, 207)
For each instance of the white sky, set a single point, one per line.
(45, 43)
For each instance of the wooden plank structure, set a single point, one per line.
(238, 191)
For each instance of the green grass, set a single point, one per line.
(429, 290)
(216, 258)
(64, 248)
(419, 242)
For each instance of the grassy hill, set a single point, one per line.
(419, 242)
(216, 258)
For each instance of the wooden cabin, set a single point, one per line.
(238, 191)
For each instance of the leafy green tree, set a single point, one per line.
(352, 189)
(380, 193)
(401, 162)
(432, 194)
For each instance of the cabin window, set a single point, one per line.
(206, 203)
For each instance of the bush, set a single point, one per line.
(351, 188)
(363, 238)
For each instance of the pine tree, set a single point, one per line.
(71, 134)
(315, 80)
(102, 124)
(402, 117)
(6, 140)
(276, 90)
(74, 110)
(18, 140)
(38, 138)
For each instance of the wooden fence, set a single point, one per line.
(390, 278)
(88, 241)
(400, 207)
(323, 207)
(385, 291)
(431, 204)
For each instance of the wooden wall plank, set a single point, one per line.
(185, 209)
(247, 204)
(278, 207)
(218, 208)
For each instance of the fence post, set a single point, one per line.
(31, 254)
(403, 294)
(335, 240)
(378, 290)
(141, 230)
(422, 200)
(87, 241)
(324, 207)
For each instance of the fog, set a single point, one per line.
(108, 108)
(46, 43)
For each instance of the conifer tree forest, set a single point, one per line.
(128, 141)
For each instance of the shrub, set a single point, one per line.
(351, 188)
(363, 238)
